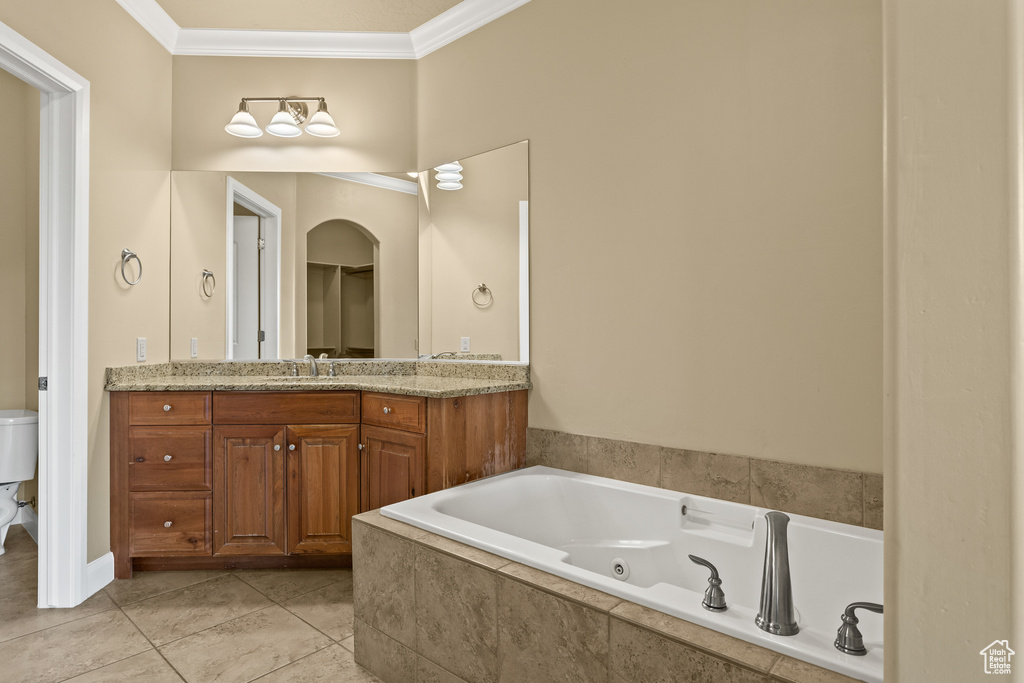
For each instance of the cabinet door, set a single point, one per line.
(323, 487)
(392, 466)
(248, 490)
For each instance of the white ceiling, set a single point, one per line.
(399, 16)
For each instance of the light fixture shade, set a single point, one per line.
(449, 185)
(321, 124)
(453, 167)
(242, 124)
(449, 176)
(283, 124)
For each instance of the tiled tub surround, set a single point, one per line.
(430, 378)
(836, 495)
(431, 610)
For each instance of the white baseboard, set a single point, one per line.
(27, 518)
(99, 573)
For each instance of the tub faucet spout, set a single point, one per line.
(776, 614)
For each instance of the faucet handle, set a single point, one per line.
(714, 596)
(848, 638)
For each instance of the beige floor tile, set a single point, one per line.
(149, 667)
(71, 649)
(329, 609)
(21, 616)
(330, 665)
(191, 609)
(244, 648)
(145, 585)
(283, 584)
(350, 642)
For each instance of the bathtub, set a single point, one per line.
(579, 527)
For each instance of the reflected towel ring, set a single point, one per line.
(209, 278)
(126, 256)
(484, 290)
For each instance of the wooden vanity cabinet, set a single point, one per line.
(226, 479)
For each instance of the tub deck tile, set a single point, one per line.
(375, 519)
(792, 670)
(384, 593)
(700, 637)
(564, 588)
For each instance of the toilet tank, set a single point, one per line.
(19, 444)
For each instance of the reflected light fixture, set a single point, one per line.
(291, 114)
(449, 176)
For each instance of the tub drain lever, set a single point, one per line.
(714, 596)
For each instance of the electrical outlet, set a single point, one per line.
(464, 344)
(140, 349)
(194, 349)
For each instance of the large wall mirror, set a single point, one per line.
(352, 265)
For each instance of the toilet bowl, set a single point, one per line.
(19, 448)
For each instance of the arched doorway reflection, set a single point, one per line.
(341, 297)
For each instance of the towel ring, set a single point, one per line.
(480, 302)
(208, 277)
(126, 256)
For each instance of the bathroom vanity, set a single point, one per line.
(218, 470)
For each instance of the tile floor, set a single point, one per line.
(166, 627)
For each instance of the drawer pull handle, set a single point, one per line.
(386, 410)
(140, 459)
(277, 447)
(167, 458)
(167, 524)
(167, 407)
(291, 447)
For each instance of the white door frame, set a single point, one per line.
(65, 580)
(270, 300)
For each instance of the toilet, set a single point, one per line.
(19, 448)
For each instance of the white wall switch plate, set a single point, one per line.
(140, 349)
(464, 344)
(194, 348)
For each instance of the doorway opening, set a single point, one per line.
(253, 288)
(342, 291)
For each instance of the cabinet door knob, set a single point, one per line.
(167, 458)
(360, 446)
(291, 447)
(386, 410)
(167, 524)
(277, 447)
(167, 407)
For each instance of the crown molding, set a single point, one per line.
(443, 29)
(152, 17)
(464, 18)
(377, 180)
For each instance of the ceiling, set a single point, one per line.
(400, 16)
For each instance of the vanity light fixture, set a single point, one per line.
(449, 176)
(291, 113)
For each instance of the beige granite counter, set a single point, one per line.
(432, 378)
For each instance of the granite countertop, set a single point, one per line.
(433, 379)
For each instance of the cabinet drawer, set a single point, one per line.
(408, 413)
(172, 523)
(169, 408)
(169, 458)
(285, 407)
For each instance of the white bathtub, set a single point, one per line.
(574, 525)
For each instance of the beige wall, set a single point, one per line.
(15, 234)
(372, 102)
(474, 239)
(339, 242)
(198, 215)
(952, 235)
(390, 219)
(130, 156)
(705, 185)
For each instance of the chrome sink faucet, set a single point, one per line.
(776, 614)
(313, 372)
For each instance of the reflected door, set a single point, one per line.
(246, 253)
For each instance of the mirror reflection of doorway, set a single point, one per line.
(340, 282)
(247, 256)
